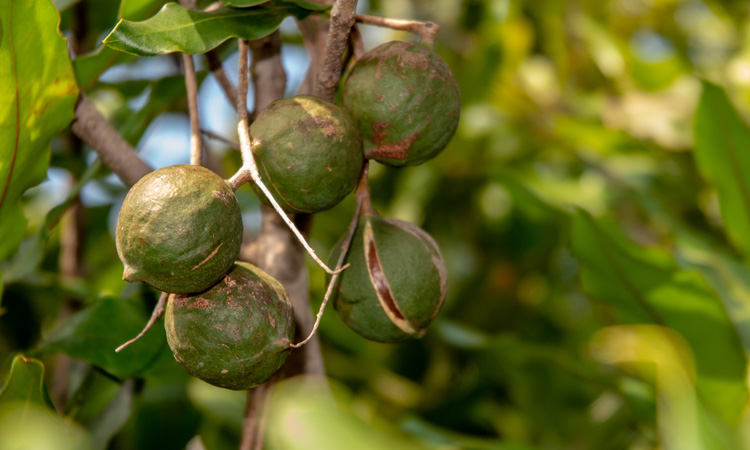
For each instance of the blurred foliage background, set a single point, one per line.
(593, 210)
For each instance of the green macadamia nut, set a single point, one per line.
(234, 335)
(179, 229)
(308, 152)
(405, 101)
(396, 281)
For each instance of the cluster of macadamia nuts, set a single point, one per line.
(180, 229)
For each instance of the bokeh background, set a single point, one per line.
(599, 294)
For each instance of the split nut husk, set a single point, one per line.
(179, 229)
(396, 281)
(308, 151)
(234, 335)
(405, 101)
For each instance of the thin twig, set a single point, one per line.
(196, 144)
(342, 19)
(249, 169)
(114, 151)
(155, 315)
(229, 89)
(361, 194)
(425, 30)
(228, 142)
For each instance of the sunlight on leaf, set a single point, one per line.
(722, 152)
(647, 287)
(30, 426)
(178, 29)
(661, 356)
(25, 383)
(36, 102)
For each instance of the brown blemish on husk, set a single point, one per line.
(379, 134)
(329, 128)
(200, 303)
(213, 253)
(393, 150)
(233, 305)
(406, 58)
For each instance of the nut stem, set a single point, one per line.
(363, 191)
(158, 312)
(339, 264)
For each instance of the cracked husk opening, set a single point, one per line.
(380, 283)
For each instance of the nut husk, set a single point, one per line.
(405, 101)
(179, 229)
(234, 335)
(396, 281)
(308, 151)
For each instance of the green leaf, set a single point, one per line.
(30, 426)
(728, 276)
(312, 6)
(36, 102)
(647, 287)
(243, 3)
(25, 383)
(93, 334)
(722, 152)
(178, 29)
(32, 249)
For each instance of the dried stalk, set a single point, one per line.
(362, 194)
(155, 315)
(249, 169)
(425, 30)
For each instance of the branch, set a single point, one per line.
(214, 64)
(342, 19)
(425, 30)
(191, 84)
(253, 415)
(114, 151)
